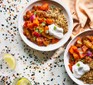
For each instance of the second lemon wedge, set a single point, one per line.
(23, 81)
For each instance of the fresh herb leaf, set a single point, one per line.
(53, 7)
(55, 27)
(36, 30)
(83, 60)
(34, 38)
(35, 13)
(78, 64)
(41, 31)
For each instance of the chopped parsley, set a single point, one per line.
(78, 64)
(36, 30)
(83, 60)
(55, 27)
(53, 7)
(41, 31)
(34, 38)
(35, 13)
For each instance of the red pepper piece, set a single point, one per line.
(36, 34)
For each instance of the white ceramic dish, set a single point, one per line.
(66, 56)
(52, 46)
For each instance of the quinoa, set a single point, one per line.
(59, 18)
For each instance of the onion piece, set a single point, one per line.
(89, 53)
(32, 18)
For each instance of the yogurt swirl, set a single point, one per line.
(55, 31)
(80, 69)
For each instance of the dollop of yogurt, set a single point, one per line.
(55, 31)
(80, 69)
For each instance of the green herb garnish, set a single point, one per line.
(35, 13)
(55, 27)
(36, 29)
(53, 7)
(34, 38)
(83, 60)
(41, 31)
(78, 64)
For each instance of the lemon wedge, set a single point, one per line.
(10, 60)
(23, 81)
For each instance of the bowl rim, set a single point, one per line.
(54, 46)
(77, 81)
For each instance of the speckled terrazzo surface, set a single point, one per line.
(34, 65)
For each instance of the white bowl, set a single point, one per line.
(66, 56)
(52, 46)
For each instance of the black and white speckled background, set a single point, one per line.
(34, 65)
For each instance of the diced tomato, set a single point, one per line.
(35, 22)
(46, 42)
(49, 21)
(28, 14)
(41, 20)
(84, 48)
(30, 26)
(39, 7)
(73, 49)
(36, 34)
(76, 56)
(35, 7)
(44, 7)
(39, 41)
(55, 40)
(25, 24)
